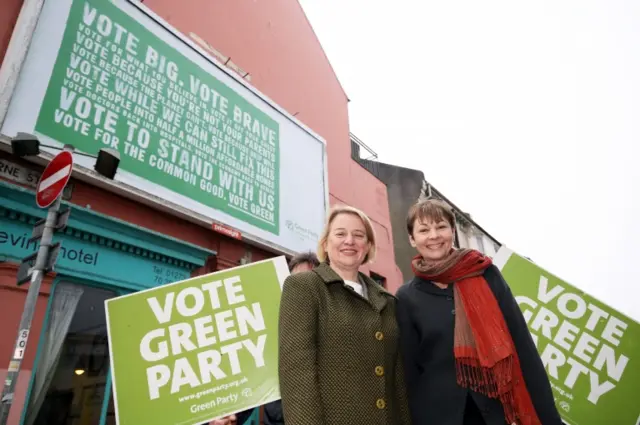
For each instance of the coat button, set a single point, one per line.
(453, 311)
(379, 336)
(380, 404)
(379, 370)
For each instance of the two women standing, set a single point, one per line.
(467, 351)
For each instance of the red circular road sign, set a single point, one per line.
(54, 179)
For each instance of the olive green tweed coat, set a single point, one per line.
(339, 361)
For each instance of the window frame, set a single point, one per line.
(480, 242)
(45, 323)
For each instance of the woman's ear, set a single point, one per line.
(412, 241)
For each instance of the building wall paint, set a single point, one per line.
(20, 394)
(229, 251)
(275, 43)
(11, 305)
(9, 11)
(404, 186)
(463, 237)
(468, 238)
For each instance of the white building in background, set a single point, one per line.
(469, 234)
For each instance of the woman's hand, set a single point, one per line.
(227, 420)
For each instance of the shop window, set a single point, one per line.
(70, 383)
(380, 280)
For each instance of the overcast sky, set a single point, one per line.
(524, 114)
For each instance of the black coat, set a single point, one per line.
(272, 414)
(243, 416)
(426, 318)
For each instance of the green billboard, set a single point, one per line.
(116, 84)
(195, 350)
(591, 352)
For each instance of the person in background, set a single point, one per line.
(468, 354)
(339, 360)
(302, 262)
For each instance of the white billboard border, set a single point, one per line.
(91, 177)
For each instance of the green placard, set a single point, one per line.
(115, 84)
(199, 349)
(591, 352)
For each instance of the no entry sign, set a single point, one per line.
(54, 179)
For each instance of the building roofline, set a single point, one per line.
(335, 74)
(364, 162)
(462, 213)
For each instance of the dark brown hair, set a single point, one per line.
(304, 258)
(430, 209)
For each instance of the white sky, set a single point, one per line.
(525, 114)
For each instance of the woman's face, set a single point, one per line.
(432, 240)
(347, 243)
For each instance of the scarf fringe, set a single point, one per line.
(494, 382)
(486, 359)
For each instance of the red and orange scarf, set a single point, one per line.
(486, 358)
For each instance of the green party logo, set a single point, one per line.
(191, 351)
(204, 332)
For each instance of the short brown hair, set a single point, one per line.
(430, 209)
(368, 227)
(304, 258)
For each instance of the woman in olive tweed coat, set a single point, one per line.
(339, 360)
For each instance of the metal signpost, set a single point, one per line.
(48, 193)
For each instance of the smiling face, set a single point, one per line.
(347, 244)
(432, 239)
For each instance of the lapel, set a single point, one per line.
(378, 297)
(429, 287)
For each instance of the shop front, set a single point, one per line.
(65, 373)
(204, 157)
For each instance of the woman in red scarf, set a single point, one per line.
(468, 355)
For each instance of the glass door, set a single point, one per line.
(72, 377)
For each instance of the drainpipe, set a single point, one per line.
(17, 52)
